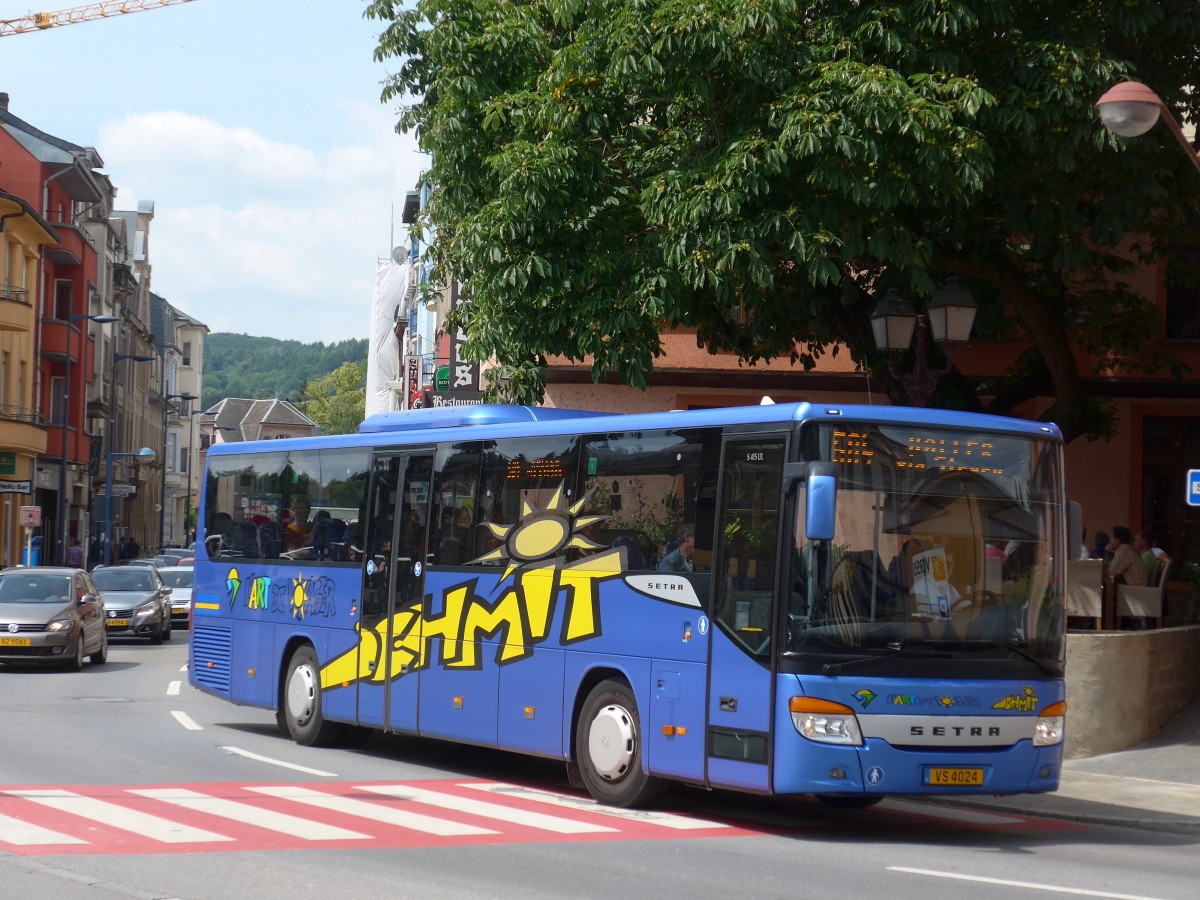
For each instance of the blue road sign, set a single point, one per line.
(1193, 487)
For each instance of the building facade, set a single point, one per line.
(22, 427)
(104, 370)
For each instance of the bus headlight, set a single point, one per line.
(825, 721)
(1051, 725)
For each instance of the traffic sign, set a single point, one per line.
(31, 516)
(1193, 487)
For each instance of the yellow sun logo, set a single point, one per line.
(541, 534)
(299, 597)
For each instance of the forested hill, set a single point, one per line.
(238, 365)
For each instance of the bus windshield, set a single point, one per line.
(943, 542)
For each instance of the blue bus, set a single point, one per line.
(844, 601)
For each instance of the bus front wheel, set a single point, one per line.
(608, 746)
(302, 702)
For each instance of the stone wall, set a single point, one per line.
(1122, 686)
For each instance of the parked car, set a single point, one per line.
(179, 580)
(50, 614)
(176, 552)
(141, 561)
(136, 602)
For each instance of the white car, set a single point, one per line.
(179, 580)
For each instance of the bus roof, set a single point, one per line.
(479, 414)
(495, 421)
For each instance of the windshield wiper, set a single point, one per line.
(892, 651)
(1024, 654)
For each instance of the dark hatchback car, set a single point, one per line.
(51, 615)
(136, 602)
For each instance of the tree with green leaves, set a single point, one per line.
(337, 401)
(763, 171)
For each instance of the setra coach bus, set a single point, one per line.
(844, 601)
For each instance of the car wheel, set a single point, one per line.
(167, 633)
(75, 663)
(608, 747)
(100, 657)
(302, 702)
(156, 636)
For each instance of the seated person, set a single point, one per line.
(680, 559)
(1126, 565)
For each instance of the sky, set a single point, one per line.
(256, 129)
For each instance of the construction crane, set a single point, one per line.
(40, 21)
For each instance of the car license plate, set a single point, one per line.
(14, 642)
(118, 623)
(955, 777)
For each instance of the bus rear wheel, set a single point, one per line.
(608, 746)
(302, 702)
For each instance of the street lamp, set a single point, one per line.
(112, 439)
(162, 518)
(143, 455)
(951, 315)
(112, 407)
(61, 520)
(1131, 109)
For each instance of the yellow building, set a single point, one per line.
(23, 233)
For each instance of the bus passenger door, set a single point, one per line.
(745, 567)
(397, 517)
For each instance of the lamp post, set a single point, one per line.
(950, 316)
(143, 455)
(162, 519)
(112, 438)
(192, 461)
(61, 519)
(1131, 109)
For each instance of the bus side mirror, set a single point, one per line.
(820, 513)
(820, 496)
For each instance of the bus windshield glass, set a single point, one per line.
(943, 542)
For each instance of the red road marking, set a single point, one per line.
(415, 815)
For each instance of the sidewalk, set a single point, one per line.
(1155, 786)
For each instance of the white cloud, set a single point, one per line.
(260, 236)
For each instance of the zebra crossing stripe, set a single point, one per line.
(14, 831)
(376, 812)
(123, 818)
(485, 810)
(294, 826)
(645, 816)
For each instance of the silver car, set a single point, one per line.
(136, 602)
(179, 580)
(51, 615)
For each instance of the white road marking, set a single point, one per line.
(485, 810)
(173, 689)
(649, 817)
(1033, 886)
(14, 831)
(110, 814)
(969, 816)
(186, 721)
(279, 762)
(376, 812)
(293, 826)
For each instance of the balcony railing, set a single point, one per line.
(14, 294)
(21, 414)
